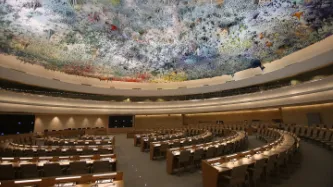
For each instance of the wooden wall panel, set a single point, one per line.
(58, 122)
(297, 114)
(156, 121)
(249, 115)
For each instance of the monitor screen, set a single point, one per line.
(16, 124)
(120, 121)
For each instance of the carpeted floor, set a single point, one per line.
(139, 171)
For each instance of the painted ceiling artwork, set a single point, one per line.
(159, 40)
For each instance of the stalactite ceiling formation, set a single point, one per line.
(159, 40)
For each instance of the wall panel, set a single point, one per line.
(249, 115)
(155, 121)
(297, 114)
(57, 122)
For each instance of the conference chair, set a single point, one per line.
(237, 177)
(256, 171)
(104, 151)
(210, 153)
(269, 168)
(282, 166)
(186, 143)
(327, 137)
(314, 134)
(176, 144)
(228, 148)
(41, 152)
(309, 132)
(163, 149)
(69, 152)
(78, 168)
(321, 135)
(194, 141)
(302, 131)
(297, 130)
(19, 153)
(29, 171)
(52, 169)
(7, 172)
(258, 134)
(100, 166)
(197, 157)
(183, 160)
(7, 153)
(30, 153)
(88, 152)
(219, 151)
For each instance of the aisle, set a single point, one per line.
(139, 170)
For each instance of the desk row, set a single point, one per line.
(222, 170)
(114, 179)
(31, 169)
(53, 152)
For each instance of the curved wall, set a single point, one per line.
(313, 92)
(315, 56)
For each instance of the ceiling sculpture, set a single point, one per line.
(159, 40)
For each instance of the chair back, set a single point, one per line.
(321, 134)
(328, 135)
(314, 133)
(29, 171)
(7, 172)
(297, 130)
(238, 174)
(302, 131)
(56, 152)
(7, 153)
(78, 168)
(198, 154)
(210, 152)
(184, 156)
(103, 151)
(176, 144)
(282, 157)
(271, 163)
(164, 147)
(101, 166)
(258, 168)
(219, 150)
(309, 131)
(52, 169)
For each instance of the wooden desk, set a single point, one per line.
(57, 158)
(78, 149)
(79, 180)
(63, 161)
(173, 153)
(70, 142)
(145, 141)
(154, 146)
(213, 169)
(116, 184)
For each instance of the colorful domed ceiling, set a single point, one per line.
(159, 40)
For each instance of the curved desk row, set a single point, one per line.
(162, 146)
(146, 140)
(217, 170)
(9, 151)
(206, 150)
(134, 132)
(70, 142)
(89, 180)
(159, 132)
